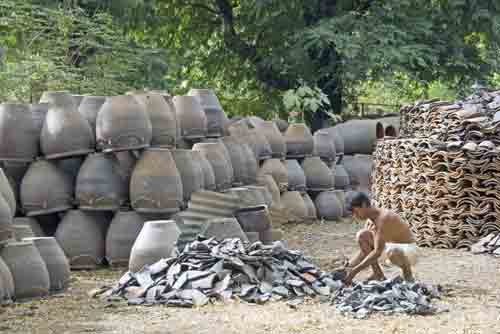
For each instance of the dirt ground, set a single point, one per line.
(472, 282)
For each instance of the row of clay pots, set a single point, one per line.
(58, 127)
(329, 205)
(32, 268)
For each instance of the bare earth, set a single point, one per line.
(473, 300)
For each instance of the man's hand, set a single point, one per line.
(350, 276)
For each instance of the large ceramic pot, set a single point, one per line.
(208, 172)
(6, 230)
(122, 233)
(254, 219)
(324, 146)
(251, 165)
(193, 120)
(7, 282)
(391, 125)
(156, 241)
(277, 170)
(46, 189)
(156, 185)
(281, 124)
(311, 209)
(99, 185)
(224, 228)
(19, 133)
(337, 139)
(56, 262)
(89, 109)
(65, 132)
(216, 117)
(328, 206)
(190, 171)
(238, 160)
(38, 113)
(29, 272)
(359, 168)
(163, 119)
(268, 182)
(294, 203)
(15, 172)
(274, 137)
(222, 168)
(7, 192)
(299, 141)
(318, 176)
(342, 179)
(296, 176)
(360, 136)
(32, 223)
(123, 124)
(81, 236)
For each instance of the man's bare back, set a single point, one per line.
(392, 228)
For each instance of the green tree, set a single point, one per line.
(333, 44)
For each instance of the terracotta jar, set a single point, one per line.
(29, 272)
(56, 262)
(224, 228)
(318, 176)
(7, 192)
(328, 206)
(274, 137)
(222, 168)
(7, 282)
(46, 189)
(296, 176)
(99, 185)
(208, 172)
(89, 109)
(294, 203)
(238, 160)
(65, 132)
(192, 119)
(277, 170)
(122, 233)
(299, 141)
(342, 179)
(81, 236)
(324, 146)
(123, 124)
(19, 133)
(156, 241)
(163, 119)
(190, 171)
(268, 182)
(254, 219)
(311, 209)
(156, 185)
(216, 117)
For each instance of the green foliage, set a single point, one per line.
(64, 47)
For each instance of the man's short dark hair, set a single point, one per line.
(360, 200)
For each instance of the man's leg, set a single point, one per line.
(399, 258)
(366, 243)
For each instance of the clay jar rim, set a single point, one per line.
(18, 244)
(157, 223)
(256, 208)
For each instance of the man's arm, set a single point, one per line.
(372, 258)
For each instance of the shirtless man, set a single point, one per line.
(384, 233)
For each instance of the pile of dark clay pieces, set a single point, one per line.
(387, 297)
(488, 245)
(208, 269)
